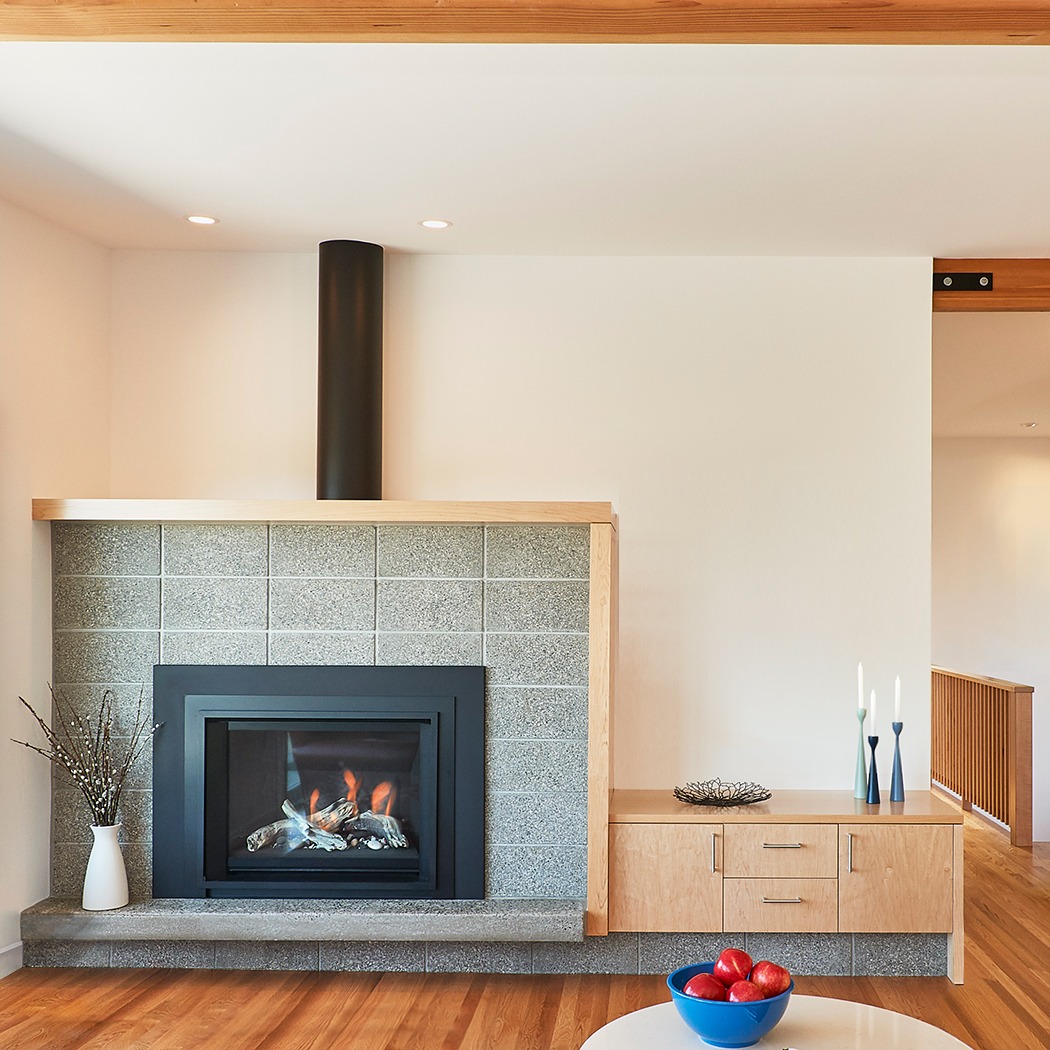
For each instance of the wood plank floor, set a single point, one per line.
(1004, 1004)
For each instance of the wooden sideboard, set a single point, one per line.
(802, 862)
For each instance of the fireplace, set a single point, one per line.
(331, 781)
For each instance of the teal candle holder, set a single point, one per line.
(860, 781)
(897, 783)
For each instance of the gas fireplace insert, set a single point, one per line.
(318, 782)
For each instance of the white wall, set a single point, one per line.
(761, 425)
(54, 438)
(991, 573)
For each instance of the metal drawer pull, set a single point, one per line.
(781, 900)
(714, 843)
(782, 845)
(849, 853)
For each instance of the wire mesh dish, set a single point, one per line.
(715, 793)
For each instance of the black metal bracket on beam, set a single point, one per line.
(962, 282)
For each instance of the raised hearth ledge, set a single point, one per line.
(422, 512)
(213, 919)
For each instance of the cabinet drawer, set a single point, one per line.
(781, 905)
(774, 851)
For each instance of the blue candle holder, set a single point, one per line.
(897, 783)
(860, 781)
(874, 798)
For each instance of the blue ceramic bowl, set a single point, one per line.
(722, 1023)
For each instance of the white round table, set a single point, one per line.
(811, 1023)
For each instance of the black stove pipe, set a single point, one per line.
(350, 371)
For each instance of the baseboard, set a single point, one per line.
(10, 959)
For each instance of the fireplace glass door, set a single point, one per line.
(351, 799)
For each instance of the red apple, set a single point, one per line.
(705, 986)
(770, 978)
(744, 992)
(732, 965)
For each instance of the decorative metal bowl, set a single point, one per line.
(715, 793)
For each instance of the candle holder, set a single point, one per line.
(860, 781)
(874, 798)
(897, 783)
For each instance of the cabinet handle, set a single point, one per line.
(781, 900)
(782, 845)
(849, 853)
(714, 847)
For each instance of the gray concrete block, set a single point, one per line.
(215, 550)
(323, 550)
(536, 659)
(537, 605)
(536, 766)
(104, 602)
(322, 605)
(94, 954)
(477, 957)
(900, 954)
(429, 649)
(71, 817)
(369, 956)
(531, 871)
(266, 955)
(69, 862)
(537, 713)
(428, 605)
(823, 954)
(664, 952)
(214, 647)
(226, 603)
(556, 552)
(617, 953)
(104, 656)
(85, 700)
(432, 551)
(321, 647)
(105, 549)
(517, 819)
(163, 955)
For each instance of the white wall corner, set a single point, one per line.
(10, 959)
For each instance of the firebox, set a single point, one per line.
(330, 781)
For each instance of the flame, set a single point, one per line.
(352, 785)
(383, 798)
(314, 796)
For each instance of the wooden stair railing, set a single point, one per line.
(981, 746)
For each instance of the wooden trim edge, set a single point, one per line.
(1017, 284)
(602, 649)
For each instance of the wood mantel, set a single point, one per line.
(387, 511)
(551, 21)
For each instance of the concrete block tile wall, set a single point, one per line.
(127, 596)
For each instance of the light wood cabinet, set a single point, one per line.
(895, 879)
(665, 878)
(803, 862)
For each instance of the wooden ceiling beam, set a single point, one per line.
(1017, 284)
(565, 21)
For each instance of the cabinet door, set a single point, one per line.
(665, 878)
(895, 878)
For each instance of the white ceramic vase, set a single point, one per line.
(106, 880)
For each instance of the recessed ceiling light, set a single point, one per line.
(436, 224)
(1029, 426)
(202, 220)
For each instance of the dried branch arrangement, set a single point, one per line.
(715, 793)
(97, 764)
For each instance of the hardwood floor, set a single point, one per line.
(1004, 1004)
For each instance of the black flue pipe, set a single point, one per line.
(350, 371)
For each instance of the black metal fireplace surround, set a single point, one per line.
(347, 782)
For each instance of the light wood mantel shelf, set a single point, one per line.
(422, 512)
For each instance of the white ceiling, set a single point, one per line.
(535, 149)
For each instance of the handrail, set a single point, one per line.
(981, 746)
